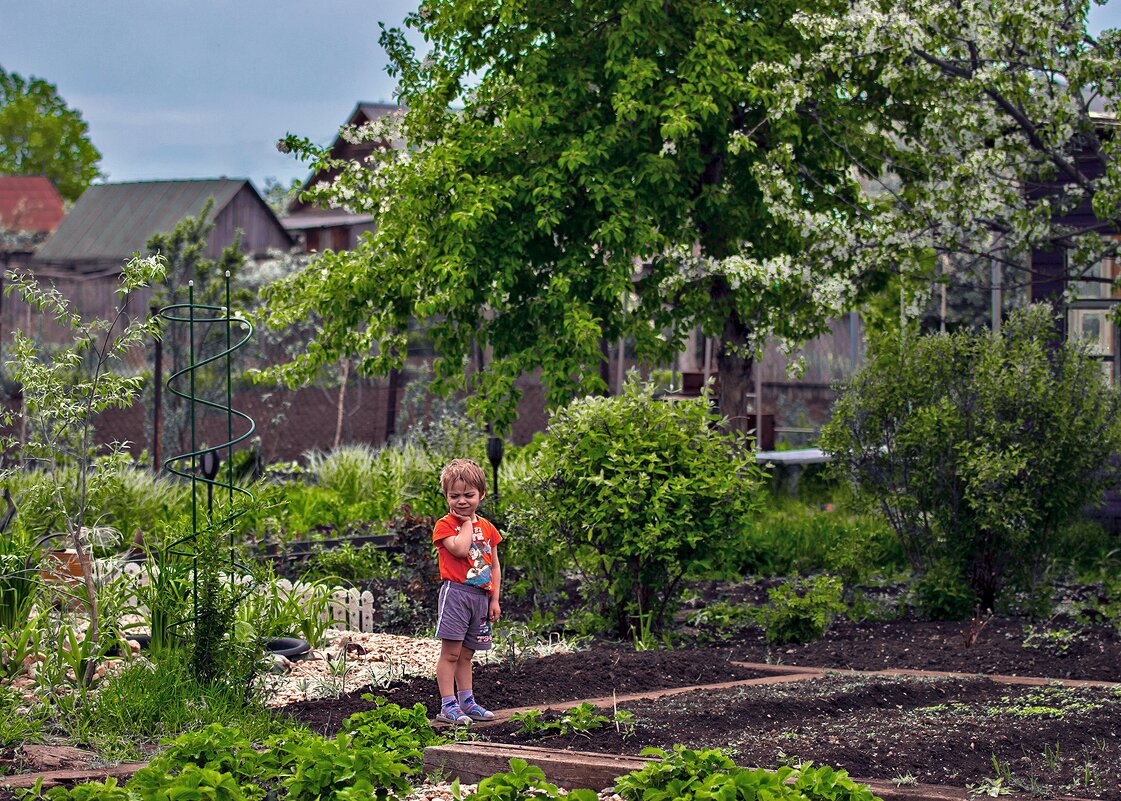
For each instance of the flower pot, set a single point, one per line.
(62, 565)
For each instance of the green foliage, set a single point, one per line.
(347, 564)
(107, 790)
(17, 725)
(688, 774)
(406, 732)
(358, 475)
(641, 493)
(581, 719)
(19, 581)
(979, 448)
(64, 391)
(557, 157)
(270, 610)
(523, 781)
(192, 783)
(720, 619)
(800, 610)
(1055, 641)
(942, 594)
(41, 135)
(148, 701)
(335, 769)
(216, 654)
(789, 537)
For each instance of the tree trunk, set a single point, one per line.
(736, 377)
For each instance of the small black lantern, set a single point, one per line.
(209, 468)
(496, 446)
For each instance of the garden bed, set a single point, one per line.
(938, 730)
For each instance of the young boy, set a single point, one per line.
(467, 546)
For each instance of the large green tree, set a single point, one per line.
(41, 135)
(577, 172)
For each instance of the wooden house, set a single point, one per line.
(1087, 303)
(338, 229)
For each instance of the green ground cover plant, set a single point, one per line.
(689, 774)
(800, 610)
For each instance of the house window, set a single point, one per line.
(1090, 315)
(1101, 281)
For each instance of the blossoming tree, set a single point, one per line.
(997, 141)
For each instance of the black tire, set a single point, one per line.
(291, 647)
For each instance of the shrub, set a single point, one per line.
(641, 493)
(979, 448)
(790, 537)
(800, 611)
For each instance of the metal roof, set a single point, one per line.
(29, 203)
(113, 221)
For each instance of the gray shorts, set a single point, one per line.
(462, 615)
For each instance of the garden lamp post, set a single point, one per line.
(495, 448)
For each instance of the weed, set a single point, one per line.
(904, 780)
(1053, 641)
(1052, 755)
(800, 611)
(990, 787)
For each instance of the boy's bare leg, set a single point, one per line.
(463, 669)
(448, 666)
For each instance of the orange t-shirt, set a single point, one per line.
(473, 569)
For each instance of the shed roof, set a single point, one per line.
(29, 203)
(113, 221)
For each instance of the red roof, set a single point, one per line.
(29, 203)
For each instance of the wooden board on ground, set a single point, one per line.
(473, 762)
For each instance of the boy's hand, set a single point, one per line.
(495, 610)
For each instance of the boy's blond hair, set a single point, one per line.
(465, 470)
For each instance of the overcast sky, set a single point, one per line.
(200, 89)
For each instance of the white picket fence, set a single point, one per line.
(349, 609)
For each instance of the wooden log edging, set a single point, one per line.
(53, 778)
(571, 770)
(1029, 681)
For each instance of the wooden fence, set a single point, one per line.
(349, 609)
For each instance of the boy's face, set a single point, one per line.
(463, 499)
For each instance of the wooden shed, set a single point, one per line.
(110, 222)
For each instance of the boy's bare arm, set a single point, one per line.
(459, 543)
(495, 607)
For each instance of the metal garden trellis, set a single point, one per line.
(201, 465)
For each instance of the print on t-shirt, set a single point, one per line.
(478, 574)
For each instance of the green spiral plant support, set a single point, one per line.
(200, 465)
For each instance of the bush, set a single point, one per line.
(800, 611)
(790, 537)
(641, 493)
(979, 447)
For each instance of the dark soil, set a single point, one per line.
(958, 731)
